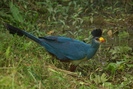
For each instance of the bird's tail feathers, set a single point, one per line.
(13, 30)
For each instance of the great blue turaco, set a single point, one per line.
(65, 49)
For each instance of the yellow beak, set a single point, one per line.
(101, 39)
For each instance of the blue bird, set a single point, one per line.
(65, 49)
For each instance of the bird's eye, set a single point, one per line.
(97, 39)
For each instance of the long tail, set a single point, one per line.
(14, 30)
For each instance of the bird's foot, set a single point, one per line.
(73, 68)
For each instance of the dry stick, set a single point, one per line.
(76, 76)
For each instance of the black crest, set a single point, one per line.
(97, 33)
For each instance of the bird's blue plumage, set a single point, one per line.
(65, 48)
(62, 47)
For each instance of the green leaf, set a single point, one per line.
(27, 45)
(112, 67)
(120, 49)
(16, 13)
(130, 65)
(123, 34)
(6, 80)
(97, 79)
(103, 78)
(7, 52)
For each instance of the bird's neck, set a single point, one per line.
(93, 49)
(95, 45)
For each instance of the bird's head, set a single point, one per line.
(97, 34)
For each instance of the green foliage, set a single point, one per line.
(24, 64)
(120, 49)
(112, 67)
(7, 52)
(99, 79)
(123, 35)
(16, 13)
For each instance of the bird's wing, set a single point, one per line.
(65, 48)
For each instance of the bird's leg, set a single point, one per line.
(73, 68)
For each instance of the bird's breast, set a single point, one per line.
(77, 62)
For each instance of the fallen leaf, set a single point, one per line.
(50, 32)
(110, 33)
